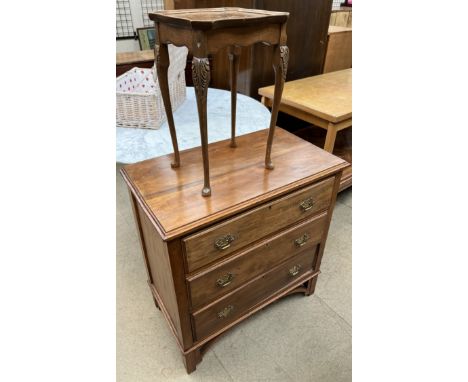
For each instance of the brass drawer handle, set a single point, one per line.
(226, 311)
(302, 240)
(224, 280)
(294, 270)
(224, 242)
(307, 204)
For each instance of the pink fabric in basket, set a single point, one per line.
(137, 80)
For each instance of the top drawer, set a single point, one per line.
(224, 238)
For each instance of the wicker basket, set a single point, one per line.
(139, 101)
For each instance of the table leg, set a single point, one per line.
(162, 66)
(330, 138)
(191, 360)
(201, 80)
(234, 53)
(311, 286)
(280, 66)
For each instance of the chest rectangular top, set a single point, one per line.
(239, 179)
(215, 18)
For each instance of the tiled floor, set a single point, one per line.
(296, 339)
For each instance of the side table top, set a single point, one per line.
(327, 96)
(214, 18)
(238, 178)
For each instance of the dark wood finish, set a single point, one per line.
(280, 66)
(218, 18)
(162, 67)
(206, 31)
(307, 33)
(318, 260)
(191, 359)
(268, 266)
(187, 4)
(232, 306)
(173, 193)
(234, 53)
(201, 79)
(159, 265)
(245, 228)
(205, 286)
(128, 60)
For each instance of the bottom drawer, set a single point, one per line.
(234, 305)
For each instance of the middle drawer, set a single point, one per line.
(235, 271)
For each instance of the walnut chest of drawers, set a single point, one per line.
(212, 262)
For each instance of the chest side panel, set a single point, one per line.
(160, 269)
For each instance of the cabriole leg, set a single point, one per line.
(280, 66)
(162, 66)
(201, 80)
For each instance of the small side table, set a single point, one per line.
(204, 32)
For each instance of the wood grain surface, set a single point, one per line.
(207, 320)
(171, 196)
(307, 34)
(327, 96)
(339, 54)
(253, 261)
(123, 58)
(280, 220)
(158, 265)
(200, 248)
(214, 18)
(126, 61)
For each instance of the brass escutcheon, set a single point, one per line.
(294, 270)
(302, 240)
(225, 280)
(226, 311)
(307, 204)
(224, 242)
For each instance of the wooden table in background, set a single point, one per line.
(324, 101)
(128, 60)
(339, 49)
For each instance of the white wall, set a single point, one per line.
(127, 46)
